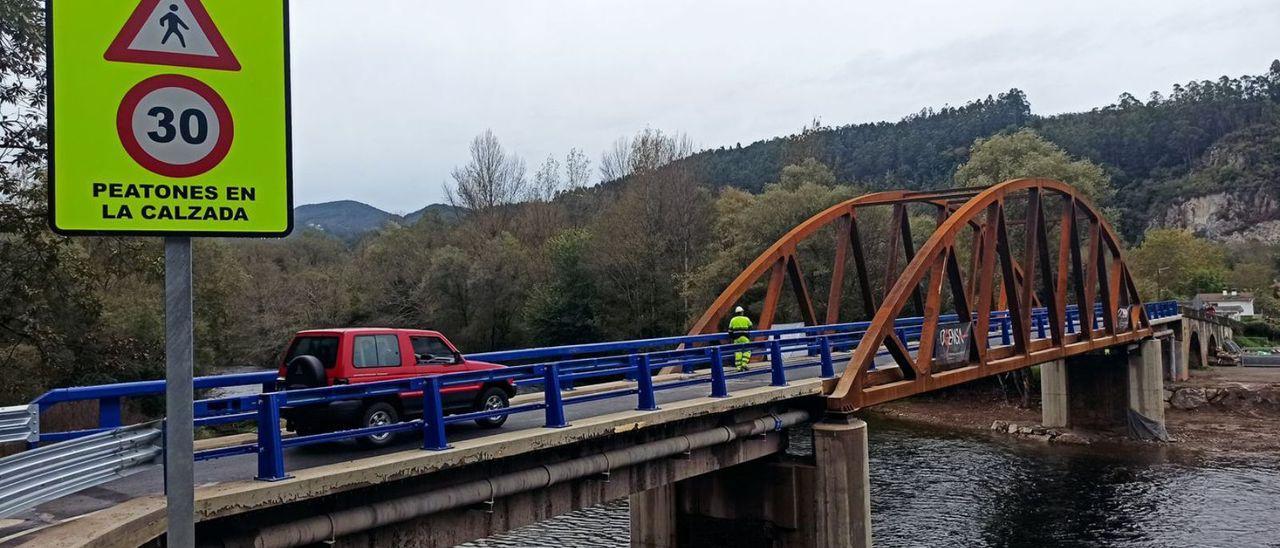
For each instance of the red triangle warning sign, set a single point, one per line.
(172, 32)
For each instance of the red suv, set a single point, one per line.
(328, 357)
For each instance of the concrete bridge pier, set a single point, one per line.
(1106, 390)
(1146, 382)
(823, 501)
(1055, 397)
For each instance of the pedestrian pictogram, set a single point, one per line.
(174, 125)
(171, 22)
(172, 32)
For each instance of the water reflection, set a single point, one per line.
(972, 491)
(939, 488)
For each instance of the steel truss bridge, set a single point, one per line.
(1027, 272)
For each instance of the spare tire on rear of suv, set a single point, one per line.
(304, 372)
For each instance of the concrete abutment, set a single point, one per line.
(788, 502)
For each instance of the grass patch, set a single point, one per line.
(1255, 342)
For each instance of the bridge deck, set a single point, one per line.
(338, 468)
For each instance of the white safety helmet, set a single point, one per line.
(738, 310)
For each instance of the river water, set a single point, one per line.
(932, 487)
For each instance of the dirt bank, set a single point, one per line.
(1223, 411)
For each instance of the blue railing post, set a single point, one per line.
(1004, 331)
(555, 403)
(270, 451)
(824, 352)
(1041, 322)
(109, 412)
(719, 388)
(433, 434)
(644, 382)
(778, 374)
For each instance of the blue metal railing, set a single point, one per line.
(641, 365)
(270, 444)
(110, 396)
(558, 367)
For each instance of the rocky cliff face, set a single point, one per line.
(1227, 216)
(1233, 195)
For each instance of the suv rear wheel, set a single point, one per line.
(378, 414)
(492, 398)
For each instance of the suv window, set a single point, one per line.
(376, 351)
(432, 350)
(324, 349)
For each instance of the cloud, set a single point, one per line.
(387, 94)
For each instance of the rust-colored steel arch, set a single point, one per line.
(1095, 272)
(781, 263)
(994, 280)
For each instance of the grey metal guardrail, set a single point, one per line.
(20, 423)
(48, 472)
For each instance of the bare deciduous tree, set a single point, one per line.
(577, 169)
(492, 178)
(649, 150)
(616, 161)
(546, 181)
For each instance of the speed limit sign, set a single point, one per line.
(175, 125)
(169, 117)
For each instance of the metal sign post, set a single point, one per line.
(172, 119)
(179, 362)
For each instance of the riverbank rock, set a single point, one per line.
(1187, 399)
(1036, 432)
(1230, 396)
(1071, 438)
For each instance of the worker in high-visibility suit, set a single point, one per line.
(739, 325)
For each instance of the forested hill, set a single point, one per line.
(349, 220)
(1148, 147)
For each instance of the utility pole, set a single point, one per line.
(1159, 285)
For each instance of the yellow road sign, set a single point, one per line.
(169, 117)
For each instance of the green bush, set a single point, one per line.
(1260, 329)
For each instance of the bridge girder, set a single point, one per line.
(997, 277)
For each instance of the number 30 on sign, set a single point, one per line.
(175, 126)
(169, 117)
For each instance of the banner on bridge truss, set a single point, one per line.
(952, 345)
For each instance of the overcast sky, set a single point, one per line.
(387, 93)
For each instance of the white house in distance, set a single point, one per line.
(1232, 304)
